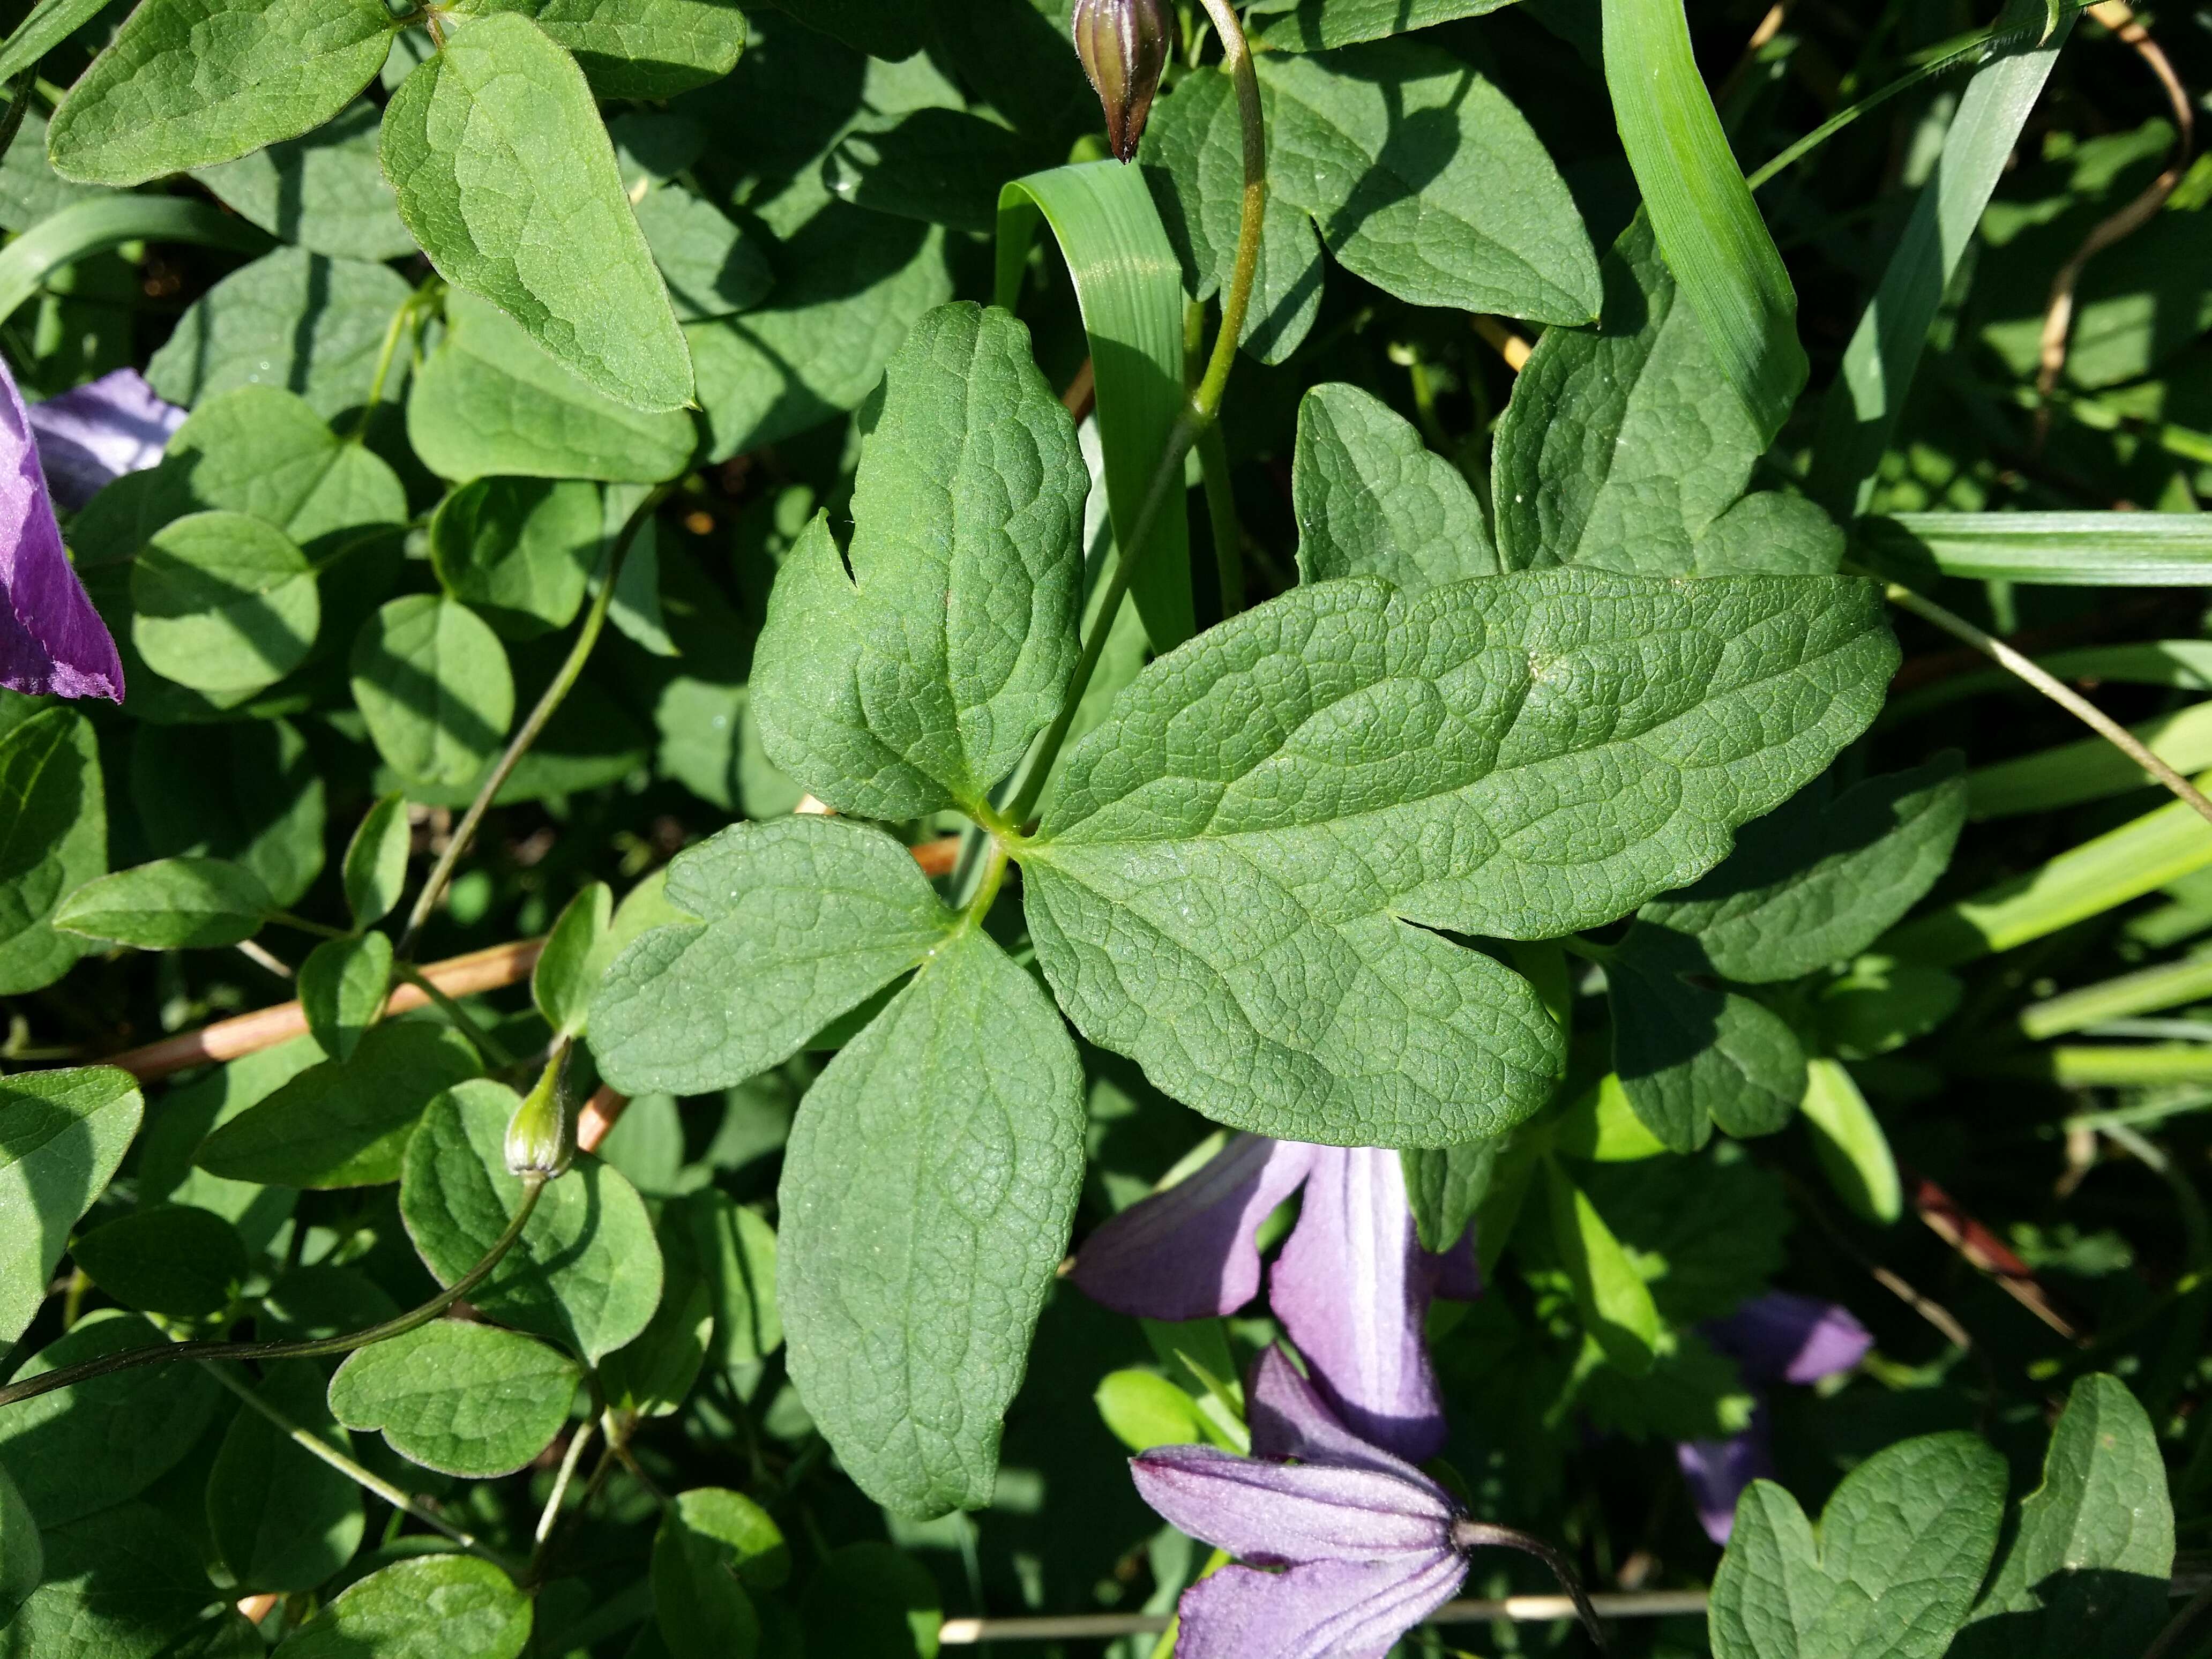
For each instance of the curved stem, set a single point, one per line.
(595, 622)
(2058, 692)
(493, 1051)
(1468, 1535)
(169, 1353)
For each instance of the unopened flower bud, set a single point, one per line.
(541, 1136)
(1124, 46)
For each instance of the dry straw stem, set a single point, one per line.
(1520, 1609)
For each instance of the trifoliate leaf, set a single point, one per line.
(1373, 501)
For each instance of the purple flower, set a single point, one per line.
(1775, 1338)
(53, 642)
(91, 436)
(1351, 1286)
(1368, 1546)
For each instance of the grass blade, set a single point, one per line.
(2057, 550)
(109, 222)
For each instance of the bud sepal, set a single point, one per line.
(1124, 46)
(541, 1136)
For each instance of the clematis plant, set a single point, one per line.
(1779, 1337)
(1344, 1546)
(52, 641)
(1351, 1286)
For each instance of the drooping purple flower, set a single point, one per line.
(1368, 1546)
(1351, 1286)
(1780, 1337)
(53, 642)
(91, 436)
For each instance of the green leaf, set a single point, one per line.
(1706, 1232)
(1881, 1003)
(737, 1250)
(171, 1260)
(53, 839)
(343, 985)
(489, 401)
(570, 967)
(62, 1134)
(248, 791)
(653, 1375)
(508, 181)
(2087, 1571)
(1848, 1140)
(223, 603)
(518, 551)
(1315, 25)
(927, 1196)
(1371, 501)
(376, 861)
(1445, 1187)
(1602, 1126)
(45, 26)
(22, 1559)
(711, 267)
(1701, 210)
(81, 1450)
(1863, 408)
(1690, 1053)
(713, 1545)
(641, 49)
(1819, 880)
(120, 1585)
(170, 904)
(471, 1400)
(325, 192)
(1234, 892)
(187, 84)
(108, 221)
(312, 325)
(801, 920)
(943, 166)
(872, 1600)
(2058, 550)
(284, 1520)
(2092, 769)
(1616, 1304)
(917, 681)
(1143, 1410)
(1194, 158)
(586, 1270)
(432, 682)
(1123, 269)
(1396, 149)
(439, 1607)
(890, 29)
(343, 1123)
(1901, 1550)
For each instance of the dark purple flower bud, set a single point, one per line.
(1717, 1471)
(1781, 1337)
(53, 642)
(1125, 45)
(91, 436)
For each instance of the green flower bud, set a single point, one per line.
(1124, 46)
(541, 1136)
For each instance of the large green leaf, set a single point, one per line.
(489, 401)
(644, 49)
(1397, 149)
(506, 179)
(223, 603)
(469, 1399)
(917, 680)
(432, 682)
(62, 1135)
(519, 549)
(927, 1196)
(586, 1270)
(120, 1585)
(2085, 1574)
(343, 1123)
(713, 269)
(801, 920)
(1892, 1569)
(1373, 501)
(187, 84)
(171, 904)
(168, 1259)
(1689, 1053)
(439, 1607)
(53, 839)
(325, 192)
(1239, 891)
(282, 1519)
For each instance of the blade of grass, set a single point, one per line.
(107, 221)
(2056, 549)
(2092, 770)
(1130, 290)
(2169, 985)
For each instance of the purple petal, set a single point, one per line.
(1323, 1610)
(1352, 1288)
(53, 642)
(91, 436)
(1780, 1337)
(1289, 1418)
(1717, 1471)
(1187, 1253)
(1286, 1513)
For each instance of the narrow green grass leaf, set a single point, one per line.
(48, 25)
(2169, 985)
(1130, 288)
(1709, 227)
(2089, 770)
(2057, 550)
(107, 221)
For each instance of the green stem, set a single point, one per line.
(402, 320)
(320, 930)
(493, 1050)
(1221, 513)
(1199, 414)
(315, 1446)
(595, 622)
(170, 1353)
(988, 886)
(550, 1518)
